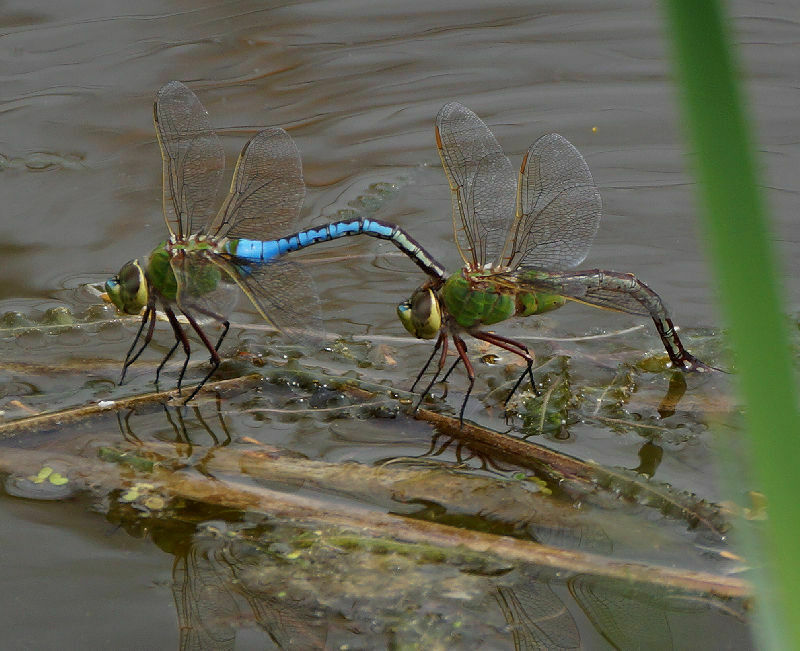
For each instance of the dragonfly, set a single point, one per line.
(519, 237)
(212, 256)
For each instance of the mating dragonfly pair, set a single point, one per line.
(519, 240)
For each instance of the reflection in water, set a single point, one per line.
(183, 430)
(587, 537)
(676, 390)
(332, 588)
(538, 618)
(237, 575)
(335, 589)
(650, 456)
(215, 596)
(632, 618)
(182, 434)
(626, 619)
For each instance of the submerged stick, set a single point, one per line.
(91, 473)
(586, 476)
(66, 417)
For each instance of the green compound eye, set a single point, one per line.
(421, 315)
(128, 289)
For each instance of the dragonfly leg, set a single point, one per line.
(451, 369)
(435, 379)
(461, 347)
(225, 325)
(441, 342)
(517, 348)
(215, 358)
(149, 314)
(166, 358)
(442, 338)
(180, 337)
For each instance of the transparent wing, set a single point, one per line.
(558, 207)
(537, 617)
(609, 290)
(192, 158)
(204, 290)
(481, 181)
(284, 295)
(610, 300)
(625, 616)
(281, 291)
(267, 190)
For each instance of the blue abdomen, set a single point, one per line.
(266, 250)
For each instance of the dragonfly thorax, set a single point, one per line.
(473, 301)
(159, 270)
(194, 242)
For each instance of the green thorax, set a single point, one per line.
(474, 303)
(159, 272)
(204, 276)
(473, 300)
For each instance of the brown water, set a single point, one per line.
(357, 84)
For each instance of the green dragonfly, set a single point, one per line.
(519, 239)
(210, 256)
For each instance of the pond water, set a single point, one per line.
(357, 85)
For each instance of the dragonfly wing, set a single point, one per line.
(284, 295)
(612, 300)
(192, 158)
(611, 291)
(558, 207)
(481, 181)
(203, 290)
(267, 190)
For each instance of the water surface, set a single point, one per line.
(357, 85)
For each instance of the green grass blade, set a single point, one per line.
(749, 291)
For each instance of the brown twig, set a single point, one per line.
(92, 473)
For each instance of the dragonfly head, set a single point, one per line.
(421, 315)
(128, 289)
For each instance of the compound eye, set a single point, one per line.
(128, 289)
(404, 313)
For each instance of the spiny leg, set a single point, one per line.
(225, 327)
(442, 338)
(451, 369)
(442, 342)
(215, 358)
(180, 337)
(443, 380)
(172, 350)
(461, 347)
(516, 348)
(149, 314)
(221, 319)
(166, 358)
